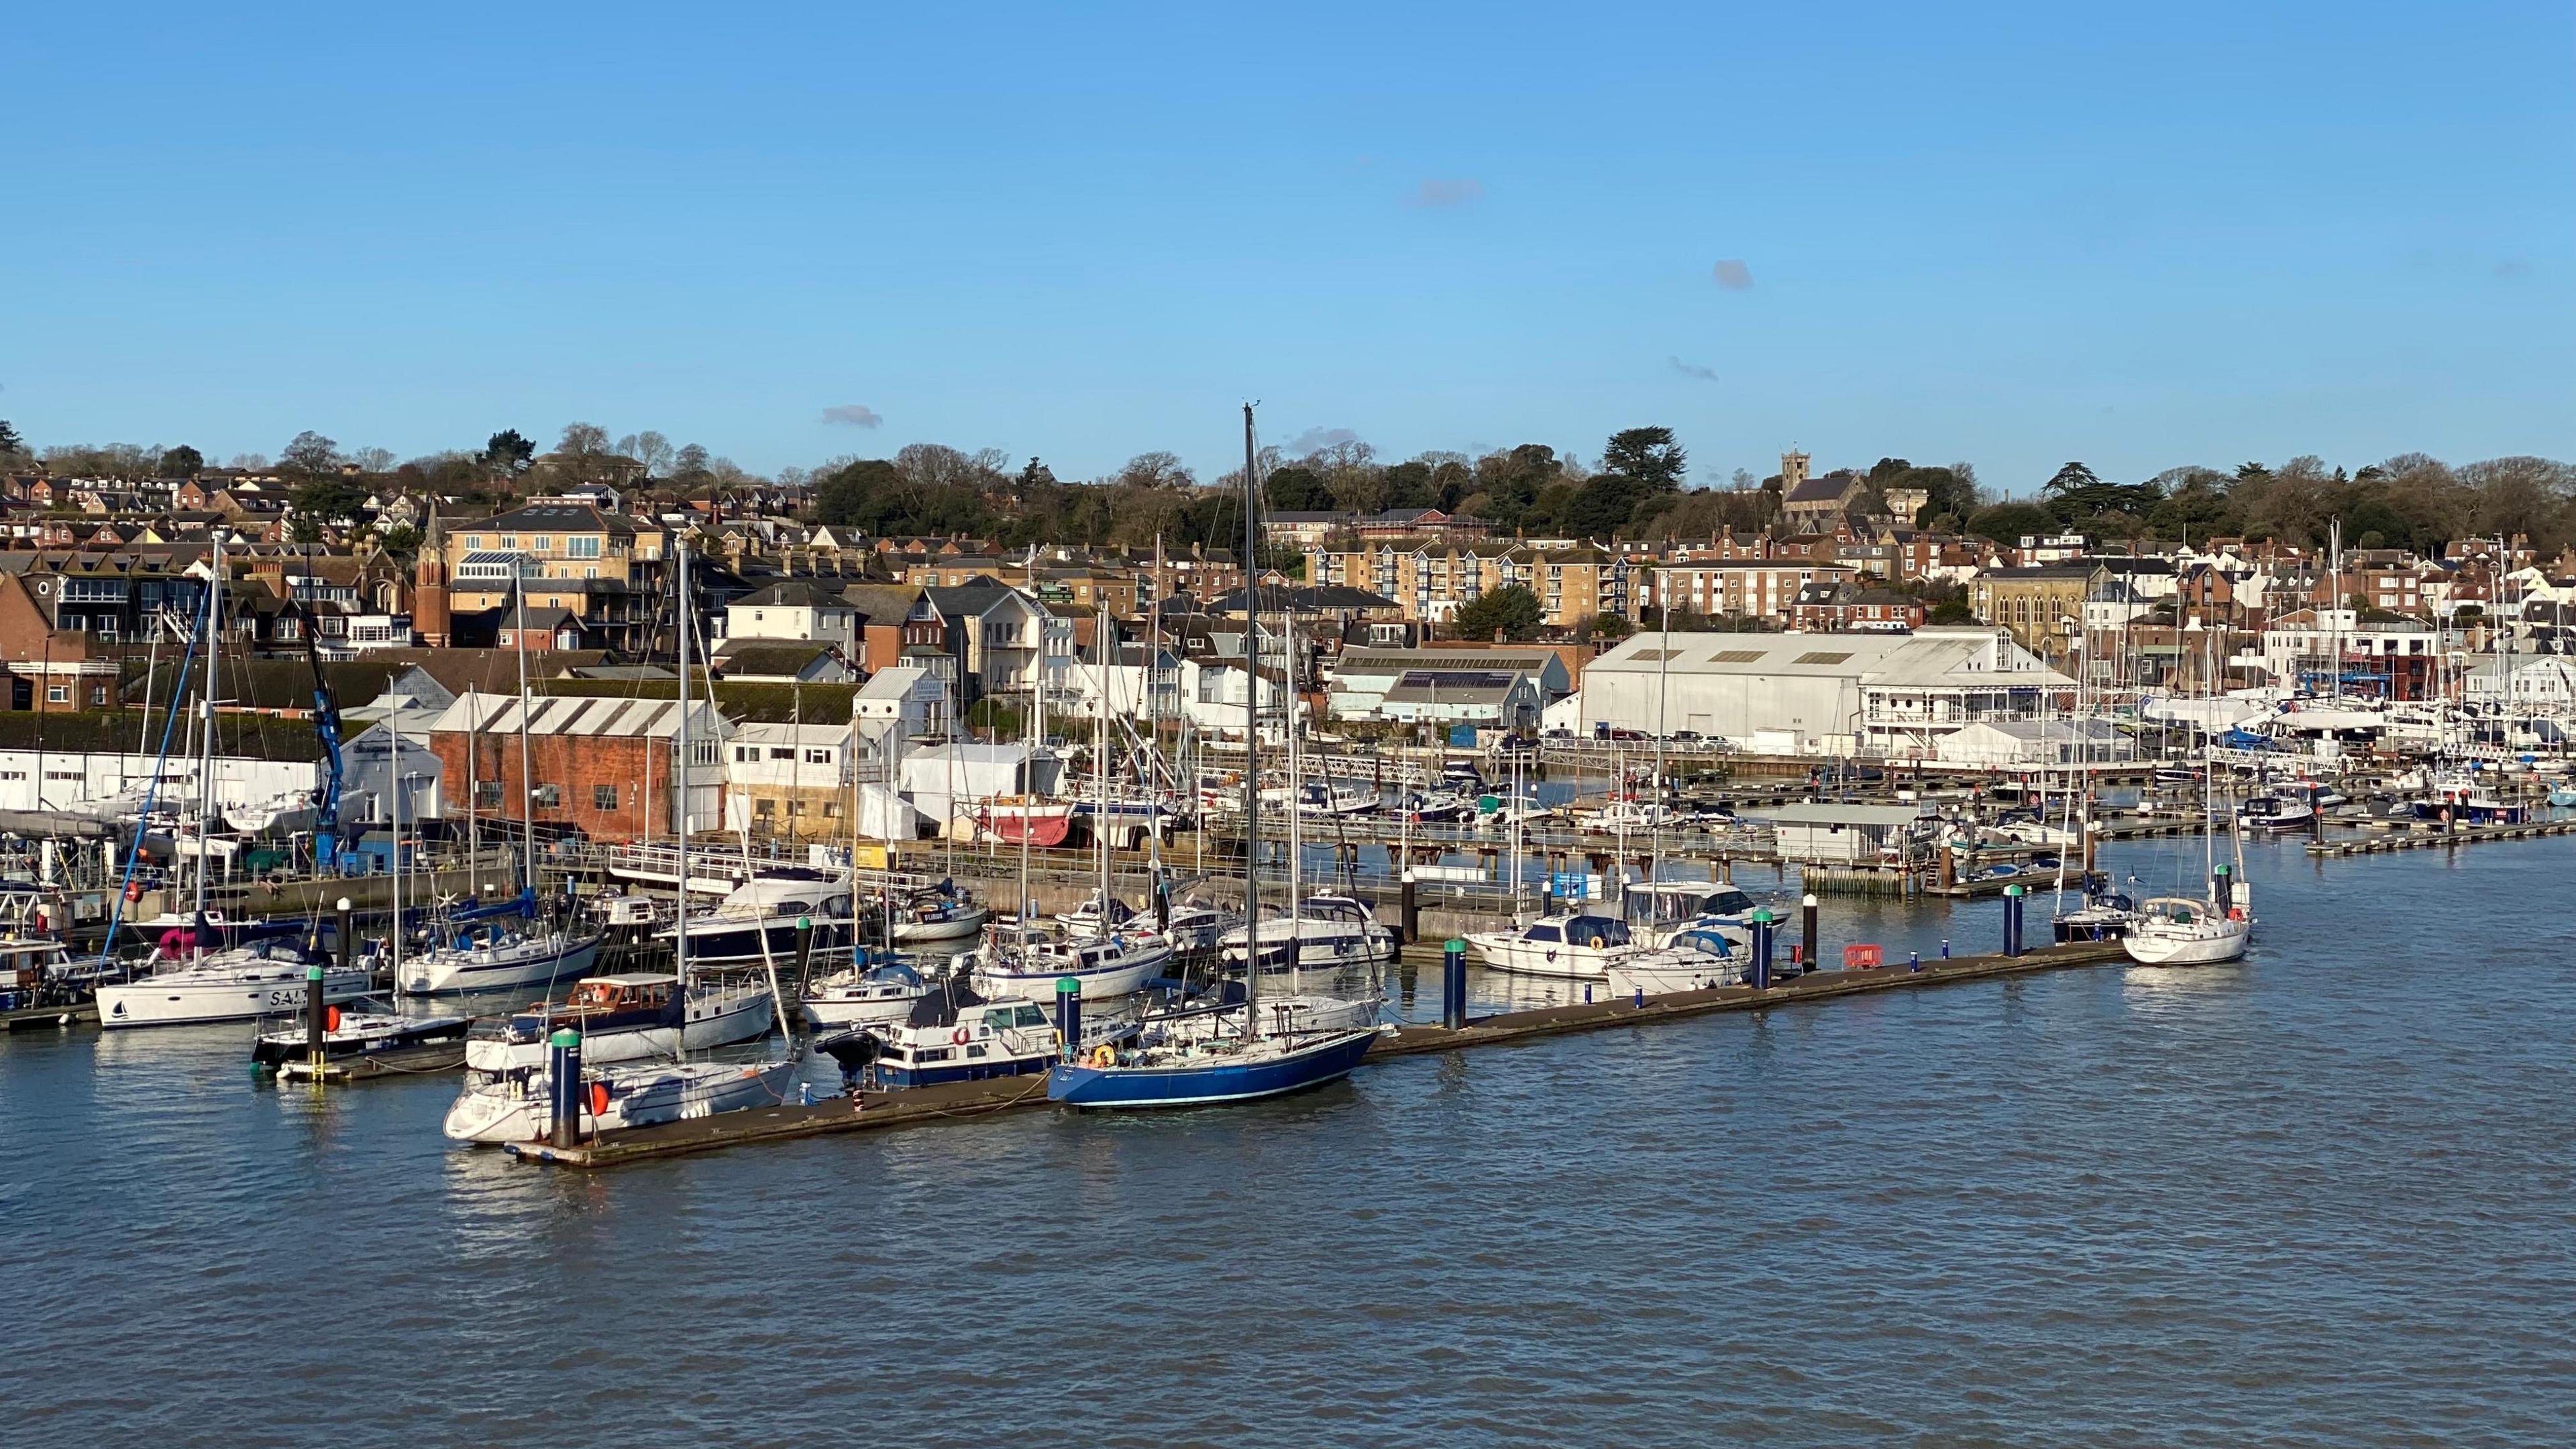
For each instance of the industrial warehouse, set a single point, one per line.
(1894, 696)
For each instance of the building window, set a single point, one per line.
(487, 794)
(549, 797)
(603, 797)
(777, 752)
(831, 809)
(764, 808)
(58, 694)
(581, 548)
(818, 757)
(795, 807)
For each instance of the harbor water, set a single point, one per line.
(2318, 1197)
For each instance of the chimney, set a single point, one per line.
(1498, 636)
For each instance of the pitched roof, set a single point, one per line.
(793, 594)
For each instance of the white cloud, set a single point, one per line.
(853, 415)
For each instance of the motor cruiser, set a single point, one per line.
(373, 1028)
(1659, 911)
(865, 995)
(626, 1018)
(1577, 944)
(1694, 959)
(757, 924)
(1331, 931)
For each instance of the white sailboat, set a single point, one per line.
(2182, 931)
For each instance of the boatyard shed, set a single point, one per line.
(1846, 834)
(601, 766)
(1890, 696)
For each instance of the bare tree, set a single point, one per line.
(581, 440)
(648, 448)
(1157, 470)
(373, 460)
(310, 452)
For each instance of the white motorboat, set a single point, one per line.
(236, 985)
(1332, 800)
(491, 957)
(864, 996)
(1119, 965)
(936, 916)
(1331, 931)
(757, 924)
(1693, 960)
(954, 1034)
(513, 1108)
(2274, 813)
(1625, 814)
(1196, 929)
(1659, 911)
(1087, 919)
(626, 1018)
(374, 1030)
(2180, 931)
(1578, 944)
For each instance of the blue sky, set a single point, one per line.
(2007, 235)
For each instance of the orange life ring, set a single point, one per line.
(960, 1036)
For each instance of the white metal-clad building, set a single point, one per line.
(2028, 742)
(1836, 694)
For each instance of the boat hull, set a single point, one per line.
(637, 1097)
(450, 971)
(2149, 946)
(1210, 1083)
(194, 1003)
(717, 944)
(955, 928)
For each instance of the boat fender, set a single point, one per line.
(599, 1099)
(2236, 913)
(133, 891)
(330, 1018)
(960, 1037)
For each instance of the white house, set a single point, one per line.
(1212, 695)
(2540, 679)
(1142, 682)
(893, 710)
(793, 609)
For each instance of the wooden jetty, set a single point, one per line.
(920, 1106)
(32, 1018)
(2431, 836)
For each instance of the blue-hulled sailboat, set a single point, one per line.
(1243, 1064)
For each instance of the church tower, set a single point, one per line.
(429, 623)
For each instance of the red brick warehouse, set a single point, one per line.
(602, 766)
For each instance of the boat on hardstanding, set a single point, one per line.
(1252, 1061)
(1575, 944)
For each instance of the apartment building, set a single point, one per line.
(1738, 588)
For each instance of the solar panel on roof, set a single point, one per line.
(1736, 656)
(1823, 656)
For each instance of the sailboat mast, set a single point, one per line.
(206, 728)
(680, 779)
(527, 779)
(1252, 735)
(1296, 802)
(1100, 754)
